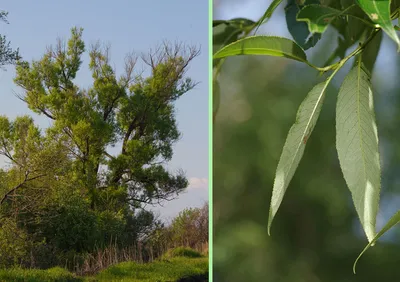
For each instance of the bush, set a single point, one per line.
(72, 227)
(182, 252)
(14, 243)
(110, 227)
(190, 227)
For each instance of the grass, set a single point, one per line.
(37, 275)
(164, 270)
(177, 265)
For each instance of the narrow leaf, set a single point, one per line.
(228, 31)
(268, 13)
(357, 145)
(392, 222)
(379, 12)
(216, 98)
(263, 45)
(317, 17)
(295, 144)
(370, 53)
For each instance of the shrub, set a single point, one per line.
(182, 252)
(14, 243)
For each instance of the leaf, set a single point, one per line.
(357, 145)
(379, 12)
(268, 13)
(263, 45)
(370, 53)
(395, 219)
(317, 17)
(394, 5)
(226, 32)
(295, 144)
(299, 30)
(351, 28)
(216, 97)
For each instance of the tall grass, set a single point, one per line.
(139, 253)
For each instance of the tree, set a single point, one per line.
(63, 188)
(136, 112)
(356, 129)
(7, 54)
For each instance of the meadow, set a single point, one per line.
(179, 264)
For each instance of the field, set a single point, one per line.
(181, 265)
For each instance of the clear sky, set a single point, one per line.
(128, 26)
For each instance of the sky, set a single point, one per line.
(136, 26)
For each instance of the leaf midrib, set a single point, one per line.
(309, 121)
(262, 51)
(360, 128)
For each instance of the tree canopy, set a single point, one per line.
(104, 155)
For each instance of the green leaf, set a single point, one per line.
(379, 12)
(357, 145)
(268, 13)
(370, 53)
(216, 97)
(394, 5)
(263, 45)
(351, 27)
(226, 32)
(392, 222)
(299, 30)
(295, 144)
(317, 17)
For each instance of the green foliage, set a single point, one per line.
(190, 227)
(356, 130)
(317, 17)
(182, 252)
(357, 145)
(180, 268)
(298, 29)
(379, 12)
(268, 13)
(173, 269)
(395, 219)
(263, 45)
(216, 97)
(56, 274)
(296, 141)
(72, 226)
(14, 244)
(63, 191)
(7, 54)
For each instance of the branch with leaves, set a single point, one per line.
(356, 131)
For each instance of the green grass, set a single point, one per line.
(172, 268)
(37, 275)
(165, 270)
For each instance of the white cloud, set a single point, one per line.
(198, 183)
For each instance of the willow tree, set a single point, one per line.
(7, 54)
(130, 113)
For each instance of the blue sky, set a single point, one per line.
(128, 26)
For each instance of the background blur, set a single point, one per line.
(316, 235)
